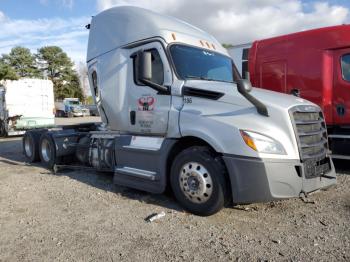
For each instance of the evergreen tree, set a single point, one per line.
(227, 45)
(7, 72)
(58, 67)
(22, 61)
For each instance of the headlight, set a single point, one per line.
(262, 144)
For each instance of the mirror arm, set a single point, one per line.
(260, 107)
(159, 88)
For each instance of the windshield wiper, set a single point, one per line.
(200, 78)
(207, 79)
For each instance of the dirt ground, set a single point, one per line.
(82, 216)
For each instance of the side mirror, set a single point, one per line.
(144, 65)
(295, 92)
(144, 71)
(244, 86)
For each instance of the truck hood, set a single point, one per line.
(271, 99)
(233, 112)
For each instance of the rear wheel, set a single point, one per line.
(47, 151)
(60, 113)
(198, 180)
(30, 145)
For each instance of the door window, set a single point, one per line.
(345, 67)
(157, 68)
(94, 83)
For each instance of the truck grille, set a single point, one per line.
(311, 134)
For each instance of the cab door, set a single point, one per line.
(149, 109)
(341, 87)
(273, 76)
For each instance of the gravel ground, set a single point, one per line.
(82, 216)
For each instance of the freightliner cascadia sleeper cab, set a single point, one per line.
(176, 112)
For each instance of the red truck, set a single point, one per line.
(314, 65)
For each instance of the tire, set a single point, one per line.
(3, 129)
(47, 151)
(30, 144)
(198, 180)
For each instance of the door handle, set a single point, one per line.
(132, 117)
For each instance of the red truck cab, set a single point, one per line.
(314, 65)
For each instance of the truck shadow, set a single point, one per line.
(11, 149)
(104, 181)
(11, 154)
(342, 166)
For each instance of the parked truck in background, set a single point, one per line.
(314, 65)
(93, 110)
(70, 107)
(177, 113)
(25, 104)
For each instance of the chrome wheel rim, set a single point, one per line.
(28, 147)
(195, 182)
(46, 150)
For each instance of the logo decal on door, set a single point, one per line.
(146, 103)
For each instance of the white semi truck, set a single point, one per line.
(177, 113)
(26, 104)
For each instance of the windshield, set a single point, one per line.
(197, 63)
(74, 102)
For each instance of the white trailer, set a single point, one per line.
(26, 104)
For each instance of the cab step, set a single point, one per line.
(135, 172)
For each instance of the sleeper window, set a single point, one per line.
(94, 82)
(345, 67)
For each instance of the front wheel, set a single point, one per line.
(198, 180)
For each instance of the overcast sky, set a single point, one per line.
(37, 23)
